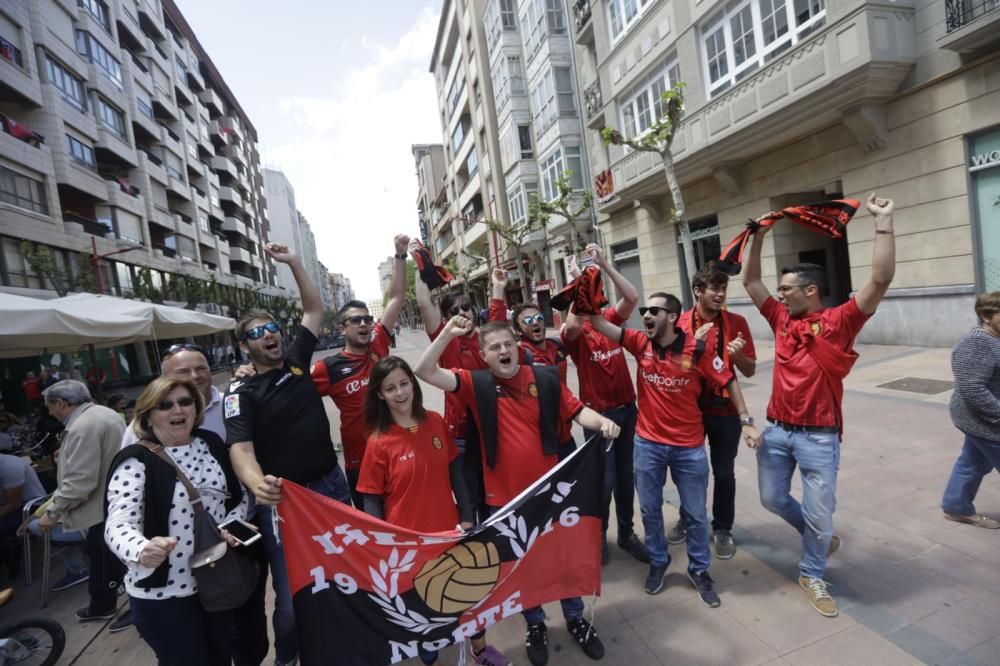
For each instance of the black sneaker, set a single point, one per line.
(605, 555)
(703, 583)
(654, 581)
(537, 642)
(634, 546)
(122, 622)
(586, 637)
(69, 580)
(677, 533)
(84, 615)
(725, 547)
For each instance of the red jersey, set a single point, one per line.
(669, 381)
(800, 394)
(461, 353)
(408, 468)
(32, 389)
(344, 377)
(605, 382)
(732, 324)
(520, 460)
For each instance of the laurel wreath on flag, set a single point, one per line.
(386, 594)
(516, 529)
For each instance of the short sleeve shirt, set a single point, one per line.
(282, 413)
(408, 468)
(605, 382)
(734, 325)
(520, 460)
(344, 377)
(462, 352)
(16, 472)
(799, 393)
(669, 383)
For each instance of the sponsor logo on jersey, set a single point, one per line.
(231, 405)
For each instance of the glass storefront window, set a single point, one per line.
(984, 168)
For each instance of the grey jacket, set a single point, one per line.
(975, 403)
(90, 443)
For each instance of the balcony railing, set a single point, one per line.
(592, 99)
(958, 13)
(581, 13)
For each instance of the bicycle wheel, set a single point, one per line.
(38, 641)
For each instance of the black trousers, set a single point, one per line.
(182, 633)
(106, 573)
(250, 642)
(723, 444)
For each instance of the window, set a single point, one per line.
(533, 21)
(508, 79)
(555, 17)
(110, 117)
(458, 136)
(98, 10)
(18, 272)
(524, 140)
(91, 49)
(472, 163)
(144, 107)
(564, 91)
(555, 167)
(81, 152)
(705, 239)
(10, 53)
(518, 206)
(124, 273)
(623, 14)
(642, 106)
(751, 33)
(455, 93)
(70, 86)
(553, 97)
(24, 192)
(574, 164)
(508, 14)
(500, 15)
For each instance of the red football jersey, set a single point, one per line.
(461, 353)
(734, 324)
(520, 460)
(605, 382)
(408, 468)
(799, 392)
(344, 377)
(669, 382)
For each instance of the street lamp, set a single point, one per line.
(95, 260)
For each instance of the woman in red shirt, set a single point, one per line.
(410, 474)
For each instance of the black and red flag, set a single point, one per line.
(368, 593)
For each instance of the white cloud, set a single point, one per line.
(351, 166)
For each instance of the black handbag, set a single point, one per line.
(226, 576)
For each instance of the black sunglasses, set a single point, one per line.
(463, 307)
(257, 332)
(167, 405)
(179, 347)
(654, 310)
(357, 320)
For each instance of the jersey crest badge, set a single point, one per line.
(436, 441)
(685, 363)
(815, 327)
(296, 370)
(373, 356)
(532, 390)
(717, 364)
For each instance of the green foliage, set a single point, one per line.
(660, 135)
(563, 205)
(63, 281)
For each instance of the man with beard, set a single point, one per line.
(813, 352)
(669, 432)
(344, 375)
(731, 341)
(277, 429)
(519, 454)
(606, 387)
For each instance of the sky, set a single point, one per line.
(338, 92)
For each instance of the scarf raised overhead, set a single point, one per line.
(585, 294)
(434, 276)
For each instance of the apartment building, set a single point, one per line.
(342, 290)
(473, 182)
(122, 138)
(385, 270)
(539, 125)
(431, 188)
(794, 101)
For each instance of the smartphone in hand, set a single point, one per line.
(242, 531)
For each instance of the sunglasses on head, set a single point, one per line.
(179, 347)
(533, 319)
(462, 307)
(654, 310)
(257, 332)
(357, 320)
(167, 405)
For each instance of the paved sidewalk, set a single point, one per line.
(913, 588)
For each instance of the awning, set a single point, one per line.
(165, 321)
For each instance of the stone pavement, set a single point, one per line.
(913, 588)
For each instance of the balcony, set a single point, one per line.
(218, 133)
(972, 26)
(473, 232)
(225, 165)
(235, 153)
(150, 20)
(211, 99)
(176, 184)
(582, 24)
(235, 225)
(232, 126)
(237, 253)
(593, 103)
(163, 102)
(252, 235)
(231, 195)
(169, 138)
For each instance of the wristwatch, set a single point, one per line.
(746, 420)
(401, 256)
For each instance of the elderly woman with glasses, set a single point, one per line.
(150, 522)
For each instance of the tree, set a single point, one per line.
(563, 206)
(63, 281)
(658, 139)
(515, 236)
(144, 289)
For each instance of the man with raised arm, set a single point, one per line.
(813, 352)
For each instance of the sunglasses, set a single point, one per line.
(257, 332)
(455, 309)
(654, 311)
(167, 405)
(179, 347)
(533, 319)
(357, 320)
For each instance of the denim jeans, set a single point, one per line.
(286, 648)
(71, 542)
(817, 455)
(619, 476)
(688, 467)
(978, 458)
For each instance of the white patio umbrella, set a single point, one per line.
(166, 321)
(31, 326)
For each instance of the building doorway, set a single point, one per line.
(626, 261)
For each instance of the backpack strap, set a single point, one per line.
(549, 394)
(485, 389)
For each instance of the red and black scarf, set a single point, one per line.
(585, 294)
(434, 276)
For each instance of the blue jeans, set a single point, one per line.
(689, 471)
(978, 458)
(72, 543)
(619, 476)
(286, 647)
(817, 455)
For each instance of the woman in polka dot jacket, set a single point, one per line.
(150, 523)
